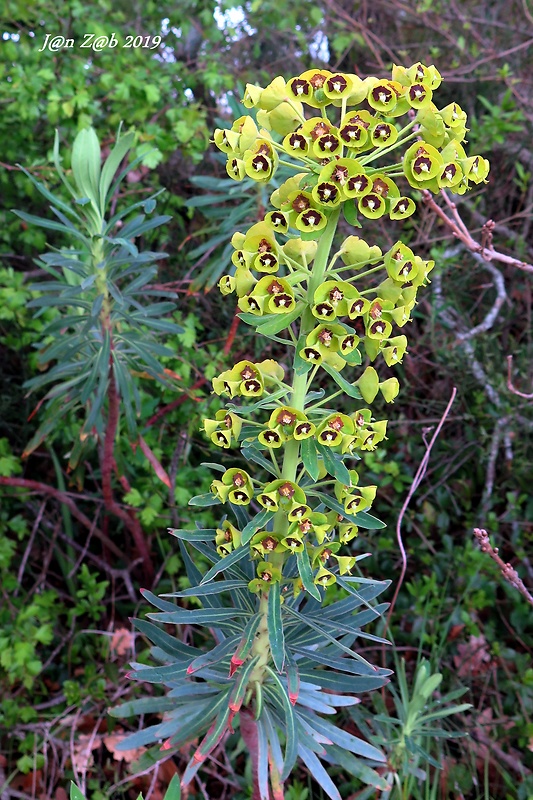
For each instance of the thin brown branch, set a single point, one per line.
(175, 403)
(510, 381)
(456, 225)
(63, 497)
(420, 473)
(508, 571)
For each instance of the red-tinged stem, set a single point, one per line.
(251, 740)
(174, 404)
(232, 333)
(63, 497)
(107, 466)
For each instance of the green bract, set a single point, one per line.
(332, 307)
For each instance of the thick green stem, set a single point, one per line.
(299, 382)
(261, 646)
(291, 459)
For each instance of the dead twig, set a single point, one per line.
(420, 473)
(63, 497)
(456, 225)
(510, 381)
(508, 571)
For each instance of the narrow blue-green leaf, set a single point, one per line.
(348, 388)
(140, 225)
(198, 616)
(318, 772)
(275, 627)
(335, 466)
(197, 535)
(170, 644)
(306, 574)
(210, 741)
(281, 322)
(291, 737)
(321, 627)
(216, 654)
(363, 596)
(309, 456)
(48, 195)
(241, 515)
(152, 598)
(212, 465)
(52, 225)
(366, 520)
(344, 739)
(352, 665)
(228, 561)
(252, 454)
(262, 761)
(169, 672)
(293, 677)
(112, 163)
(215, 587)
(351, 684)
(362, 519)
(193, 573)
(241, 684)
(356, 767)
(315, 741)
(273, 738)
(204, 500)
(194, 719)
(255, 524)
(144, 705)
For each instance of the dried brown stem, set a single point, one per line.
(421, 471)
(175, 403)
(508, 571)
(510, 381)
(456, 225)
(63, 497)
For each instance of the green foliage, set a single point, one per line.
(412, 734)
(173, 791)
(103, 334)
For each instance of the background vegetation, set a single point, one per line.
(72, 561)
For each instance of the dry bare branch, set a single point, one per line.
(508, 571)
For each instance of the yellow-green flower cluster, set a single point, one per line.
(344, 139)
(334, 126)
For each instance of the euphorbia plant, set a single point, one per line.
(279, 657)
